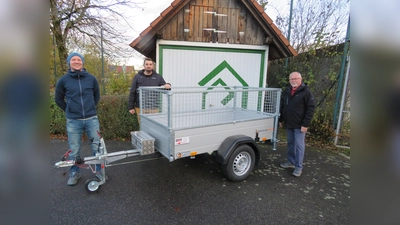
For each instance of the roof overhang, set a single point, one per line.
(280, 47)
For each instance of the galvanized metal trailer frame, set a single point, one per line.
(187, 121)
(196, 120)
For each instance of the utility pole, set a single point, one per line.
(290, 27)
(55, 62)
(102, 61)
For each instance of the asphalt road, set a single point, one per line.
(194, 191)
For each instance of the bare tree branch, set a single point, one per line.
(77, 23)
(315, 23)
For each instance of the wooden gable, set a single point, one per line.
(216, 21)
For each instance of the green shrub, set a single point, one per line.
(115, 120)
(57, 118)
(321, 128)
(119, 84)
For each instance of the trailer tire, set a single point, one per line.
(240, 163)
(92, 185)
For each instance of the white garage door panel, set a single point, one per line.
(186, 66)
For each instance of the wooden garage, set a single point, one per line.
(213, 42)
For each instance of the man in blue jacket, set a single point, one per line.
(297, 110)
(78, 93)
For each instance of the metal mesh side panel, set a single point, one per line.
(183, 107)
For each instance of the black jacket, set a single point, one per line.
(77, 93)
(140, 80)
(297, 110)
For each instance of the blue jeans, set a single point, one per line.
(296, 147)
(75, 129)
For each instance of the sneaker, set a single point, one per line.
(297, 172)
(287, 165)
(100, 175)
(73, 179)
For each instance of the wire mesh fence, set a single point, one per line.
(186, 107)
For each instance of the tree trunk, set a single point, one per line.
(58, 36)
(62, 52)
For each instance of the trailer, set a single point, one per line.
(223, 121)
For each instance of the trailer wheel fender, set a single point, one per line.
(225, 150)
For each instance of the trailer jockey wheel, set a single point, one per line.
(240, 163)
(92, 185)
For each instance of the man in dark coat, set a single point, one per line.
(297, 110)
(145, 77)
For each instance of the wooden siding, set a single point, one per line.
(193, 19)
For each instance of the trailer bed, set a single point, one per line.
(197, 120)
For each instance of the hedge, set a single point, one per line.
(115, 120)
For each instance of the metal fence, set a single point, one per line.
(187, 107)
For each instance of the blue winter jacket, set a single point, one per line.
(77, 93)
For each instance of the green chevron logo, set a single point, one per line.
(213, 74)
(217, 70)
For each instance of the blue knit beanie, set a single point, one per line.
(72, 55)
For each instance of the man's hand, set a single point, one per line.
(167, 86)
(304, 129)
(132, 111)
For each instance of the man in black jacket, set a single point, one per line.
(145, 77)
(297, 110)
